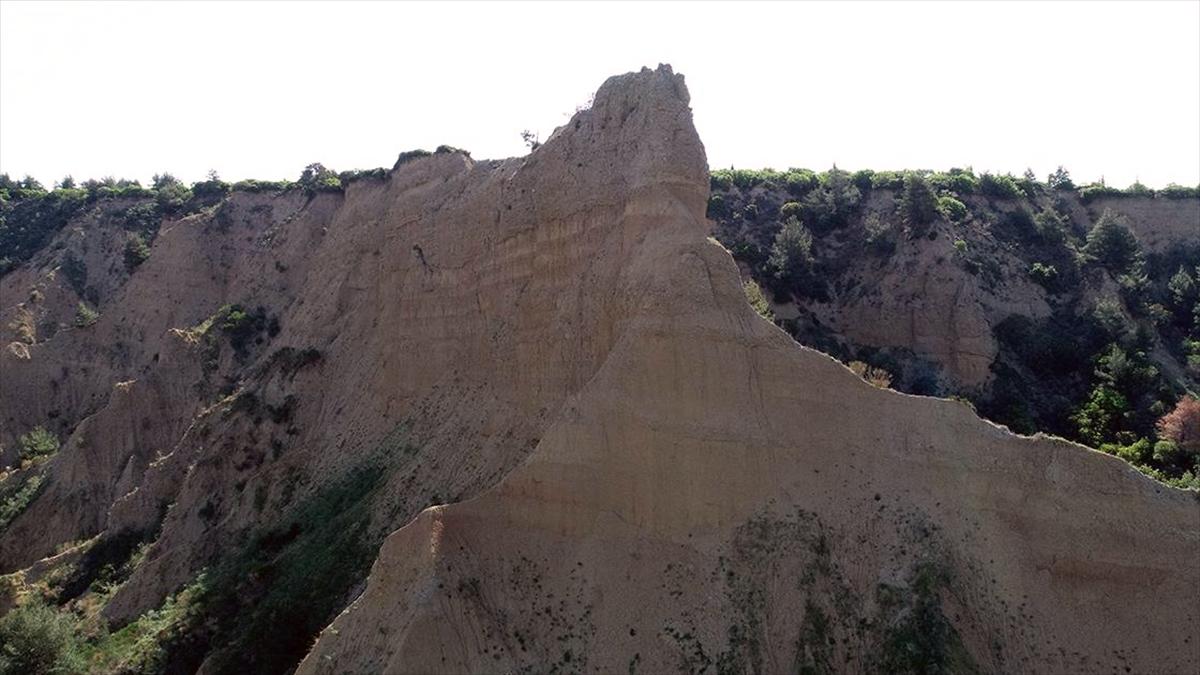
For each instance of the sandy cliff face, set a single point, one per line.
(717, 498)
(641, 474)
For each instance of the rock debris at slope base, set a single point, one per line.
(718, 499)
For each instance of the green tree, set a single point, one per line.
(791, 253)
(918, 203)
(1100, 417)
(1060, 179)
(1112, 243)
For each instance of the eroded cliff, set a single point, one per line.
(541, 377)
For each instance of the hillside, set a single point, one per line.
(518, 416)
(1000, 291)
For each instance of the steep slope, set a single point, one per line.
(717, 498)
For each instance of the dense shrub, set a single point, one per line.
(1051, 226)
(951, 208)
(958, 181)
(799, 182)
(1089, 193)
(316, 178)
(1045, 275)
(136, 252)
(348, 177)
(887, 180)
(36, 638)
(450, 149)
(36, 444)
(170, 193)
(1000, 186)
(831, 205)
(259, 186)
(408, 156)
(1174, 191)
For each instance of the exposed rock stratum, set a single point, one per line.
(602, 459)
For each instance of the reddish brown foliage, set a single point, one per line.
(1182, 425)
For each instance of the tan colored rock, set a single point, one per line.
(716, 497)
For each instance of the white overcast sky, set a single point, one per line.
(260, 90)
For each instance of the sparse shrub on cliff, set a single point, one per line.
(1111, 243)
(408, 156)
(1045, 275)
(75, 271)
(799, 182)
(450, 149)
(316, 178)
(876, 376)
(85, 316)
(36, 444)
(758, 300)
(136, 252)
(951, 208)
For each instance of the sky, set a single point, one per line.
(259, 90)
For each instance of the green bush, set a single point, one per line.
(831, 205)
(1174, 191)
(1000, 186)
(799, 182)
(136, 252)
(951, 208)
(450, 149)
(316, 178)
(1051, 226)
(85, 316)
(887, 180)
(958, 181)
(260, 186)
(1044, 275)
(1089, 193)
(348, 177)
(36, 444)
(36, 638)
(408, 156)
